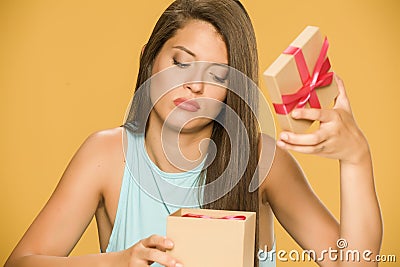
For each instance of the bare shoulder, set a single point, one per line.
(103, 150)
(278, 167)
(76, 198)
(274, 158)
(97, 160)
(105, 139)
(104, 144)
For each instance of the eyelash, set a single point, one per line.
(218, 79)
(186, 65)
(180, 64)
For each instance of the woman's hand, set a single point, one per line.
(338, 136)
(150, 250)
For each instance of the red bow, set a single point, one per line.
(320, 78)
(191, 215)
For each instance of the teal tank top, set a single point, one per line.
(148, 195)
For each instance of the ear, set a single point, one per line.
(141, 53)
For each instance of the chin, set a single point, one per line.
(183, 125)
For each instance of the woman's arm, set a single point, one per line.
(61, 223)
(296, 206)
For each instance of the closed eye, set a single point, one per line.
(181, 65)
(218, 79)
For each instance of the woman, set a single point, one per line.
(98, 179)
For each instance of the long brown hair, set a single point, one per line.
(232, 22)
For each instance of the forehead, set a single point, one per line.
(202, 39)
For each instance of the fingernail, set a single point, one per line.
(178, 265)
(295, 113)
(284, 136)
(169, 243)
(280, 144)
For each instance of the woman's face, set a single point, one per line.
(181, 94)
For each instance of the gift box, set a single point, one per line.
(212, 238)
(301, 78)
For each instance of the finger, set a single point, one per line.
(156, 241)
(303, 139)
(340, 84)
(341, 100)
(155, 255)
(316, 150)
(313, 114)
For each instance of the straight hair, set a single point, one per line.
(233, 23)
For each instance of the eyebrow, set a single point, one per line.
(185, 50)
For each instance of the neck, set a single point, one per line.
(174, 151)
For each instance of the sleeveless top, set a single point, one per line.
(148, 195)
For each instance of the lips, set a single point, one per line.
(187, 104)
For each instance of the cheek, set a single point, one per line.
(161, 103)
(160, 63)
(218, 93)
(213, 101)
(161, 84)
(222, 94)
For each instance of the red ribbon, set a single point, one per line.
(238, 217)
(319, 78)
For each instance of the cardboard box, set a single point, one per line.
(212, 242)
(288, 76)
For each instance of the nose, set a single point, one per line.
(195, 87)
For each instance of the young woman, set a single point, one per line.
(104, 181)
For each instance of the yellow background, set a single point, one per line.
(68, 68)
